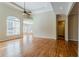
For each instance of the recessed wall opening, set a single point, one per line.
(60, 27)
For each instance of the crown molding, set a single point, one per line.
(14, 5)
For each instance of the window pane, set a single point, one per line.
(13, 26)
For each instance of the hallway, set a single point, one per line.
(38, 47)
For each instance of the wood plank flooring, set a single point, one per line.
(28, 46)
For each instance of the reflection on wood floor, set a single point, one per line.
(38, 47)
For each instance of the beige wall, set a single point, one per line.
(73, 24)
(45, 24)
(73, 27)
(78, 29)
(5, 11)
(66, 28)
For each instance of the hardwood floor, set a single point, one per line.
(38, 47)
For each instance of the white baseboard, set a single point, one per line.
(7, 38)
(72, 40)
(42, 36)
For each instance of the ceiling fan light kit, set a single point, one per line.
(25, 12)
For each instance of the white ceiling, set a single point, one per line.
(59, 7)
(35, 6)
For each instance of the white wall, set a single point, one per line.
(5, 11)
(45, 24)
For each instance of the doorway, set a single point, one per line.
(60, 27)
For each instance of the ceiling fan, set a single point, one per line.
(25, 12)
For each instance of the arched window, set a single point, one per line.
(13, 25)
